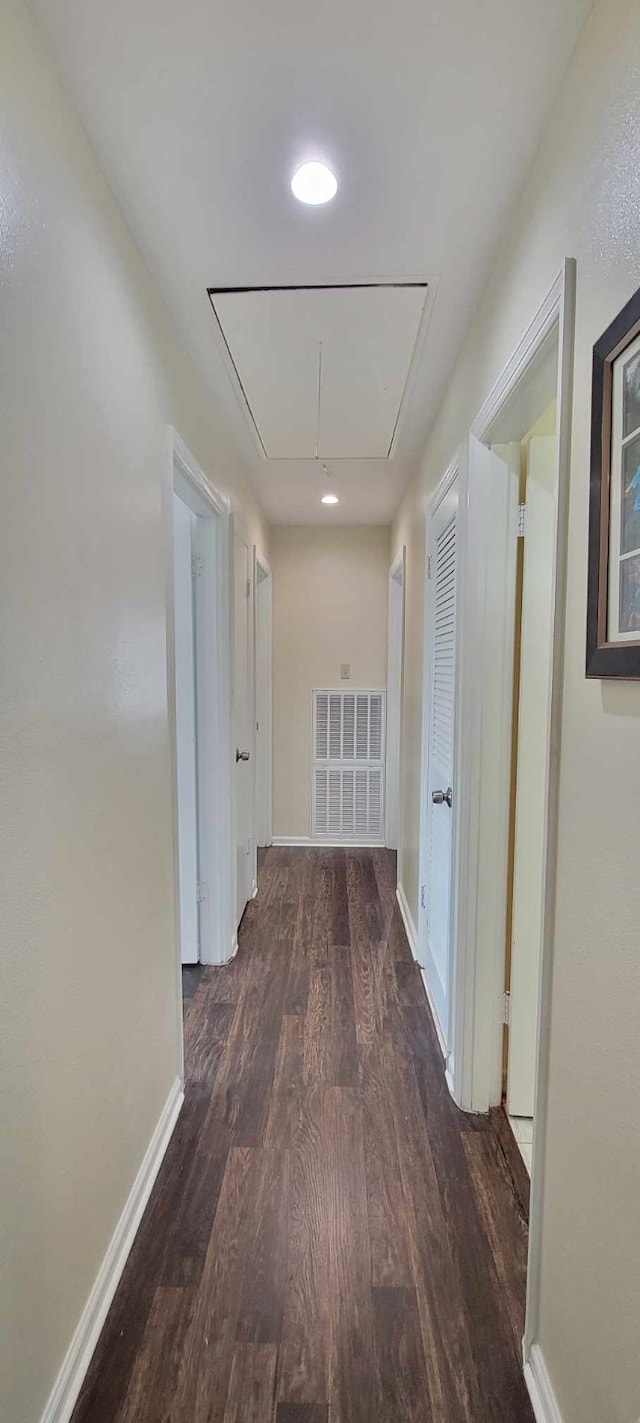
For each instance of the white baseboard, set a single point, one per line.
(327, 844)
(412, 935)
(65, 1391)
(543, 1399)
(407, 919)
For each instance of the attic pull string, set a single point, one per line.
(317, 454)
(319, 397)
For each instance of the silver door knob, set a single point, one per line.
(242, 755)
(443, 797)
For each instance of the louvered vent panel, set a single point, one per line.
(348, 766)
(322, 726)
(443, 648)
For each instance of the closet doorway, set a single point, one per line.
(198, 656)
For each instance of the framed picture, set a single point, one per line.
(613, 603)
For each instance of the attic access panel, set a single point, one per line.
(322, 370)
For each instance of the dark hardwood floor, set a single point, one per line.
(329, 1239)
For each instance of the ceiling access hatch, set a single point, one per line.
(322, 371)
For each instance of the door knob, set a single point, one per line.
(242, 755)
(443, 797)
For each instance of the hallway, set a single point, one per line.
(329, 1239)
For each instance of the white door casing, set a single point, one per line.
(263, 694)
(243, 728)
(474, 1066)
(186, 752)
(395, 663)
(210, 531)
(437, 831)
(484, 768)
(536, 652)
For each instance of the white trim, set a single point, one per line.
(195, 476)
(478, 1053)
(543, 1400)
(444, 484)
(489, 515)
(412, 936)
(395, 701)
(292, 840)
(558, 308)
(565, 401)
(67, 1386)
(263, 720)
(239, 535)
(262, 563)
(397, 569)
(536, 333)
(407, 919)
(213, 657)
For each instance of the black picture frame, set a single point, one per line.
(605, 658)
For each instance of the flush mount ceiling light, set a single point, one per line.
(329, 499)
(314, 183)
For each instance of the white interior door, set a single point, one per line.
(186, 744)
(435, 894)
(242, 725)
(532, 771)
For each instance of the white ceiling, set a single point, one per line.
(428, 111)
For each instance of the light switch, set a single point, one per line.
(345, 671)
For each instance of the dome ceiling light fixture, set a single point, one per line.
(329, 499)
(314, 183)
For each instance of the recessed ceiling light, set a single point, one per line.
(329, 499)
(314, 183)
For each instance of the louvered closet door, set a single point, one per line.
(347, 790)
(441, 752)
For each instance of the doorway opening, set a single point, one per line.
(532, 456)
(501, 716)
(263, 686)
(198, 662)
(395, 664)
(243, 722)
(533, 661)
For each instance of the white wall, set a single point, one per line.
(581, 199)
(329, 607)
(90, 373)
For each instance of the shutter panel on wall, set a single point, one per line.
(347, 792)
(444, 650)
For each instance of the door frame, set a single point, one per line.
(451, 474)
(393, 757)
(476, 1077)
(263, 684)
(213, 701)
(238, 530)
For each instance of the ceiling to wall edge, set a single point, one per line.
(429, 282)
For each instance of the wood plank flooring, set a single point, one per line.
(329, 1239)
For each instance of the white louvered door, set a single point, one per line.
(436, 892)
(347, 788)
